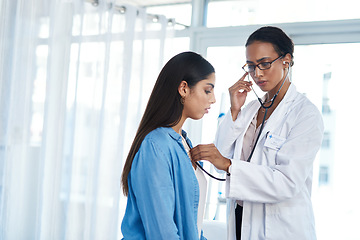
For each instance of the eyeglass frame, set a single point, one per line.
(258, 65)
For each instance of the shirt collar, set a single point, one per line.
(174, 134)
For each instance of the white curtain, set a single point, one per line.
(75, 78)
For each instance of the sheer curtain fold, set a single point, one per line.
(75, 79)
(17, 184)
(50, 207)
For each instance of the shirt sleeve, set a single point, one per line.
(152, 183)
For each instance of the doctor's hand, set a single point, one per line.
(238, 93)
(210, 153)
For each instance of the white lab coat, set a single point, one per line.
(279, 181)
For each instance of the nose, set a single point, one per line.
(257, 71)
(213, 99)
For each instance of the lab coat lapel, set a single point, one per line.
(249, 114)
(280, 112)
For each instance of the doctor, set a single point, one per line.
(269, 177)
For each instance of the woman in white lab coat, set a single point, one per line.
(269, 190)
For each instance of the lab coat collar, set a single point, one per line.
(289, 95)
(281, 110)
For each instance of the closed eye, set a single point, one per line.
(264, 64)
(210, 86)
(251, 67)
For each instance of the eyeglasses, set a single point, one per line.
(250, 68)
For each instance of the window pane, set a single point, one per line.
(247, 12)
(336, 168)
(39, 94)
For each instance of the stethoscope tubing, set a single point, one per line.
(210, 175)
(266, 110)
(261, 128)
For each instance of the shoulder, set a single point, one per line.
(299, 103)
(252, 103)
(304, 105)
(159, 136)
(250, 106)
(154, 146)
(159, 139)
(303, 110)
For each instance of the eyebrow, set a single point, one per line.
(259, 60)
(212, 85)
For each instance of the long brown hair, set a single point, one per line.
(164, 108)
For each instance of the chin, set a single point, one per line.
(264, 89)
(197, 117)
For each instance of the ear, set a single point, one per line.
(183, 88)
(287, 60)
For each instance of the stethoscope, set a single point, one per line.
(266, 110)
(262, 124)
(201, 167)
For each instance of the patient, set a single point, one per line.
(166, 192)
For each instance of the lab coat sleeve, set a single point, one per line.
(153, 188)
(226, 135)
(293, 164)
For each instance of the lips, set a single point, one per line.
(260, 83)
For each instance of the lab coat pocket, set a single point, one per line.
(270, 156)
(272, 146)
(274, 141)
(285, 216)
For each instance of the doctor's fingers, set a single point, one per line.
(240, 86)
(242, 79)
(199, 152)
(204, 152)
(211, 153)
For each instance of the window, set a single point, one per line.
(326, 140)
(323, 175)
(248, 12)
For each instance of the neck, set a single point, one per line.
(178, 127)
(270, 94)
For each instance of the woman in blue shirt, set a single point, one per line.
(159, 179)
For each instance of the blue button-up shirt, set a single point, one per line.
(163, 190)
